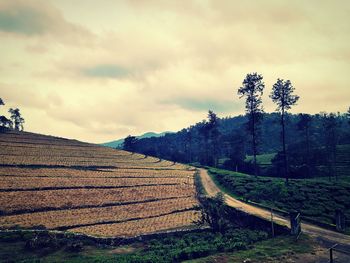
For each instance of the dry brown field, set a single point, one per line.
(61, 184)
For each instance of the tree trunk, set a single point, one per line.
(308, 152)
(284, 148)
(254, 145)
(190, 148)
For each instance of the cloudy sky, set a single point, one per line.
(100, 70)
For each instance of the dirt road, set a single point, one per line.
(312, 230)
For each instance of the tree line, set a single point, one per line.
(15, 121)
(302, 141)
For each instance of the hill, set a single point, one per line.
(60, 184)
(316, 199)
(227, 143)
(119, 143)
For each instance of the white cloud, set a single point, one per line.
(97, 71)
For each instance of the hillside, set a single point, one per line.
(62, 184)
(316, 199)
(231, 142)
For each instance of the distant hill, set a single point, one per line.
(119, 143)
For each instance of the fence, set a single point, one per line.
(339, 254)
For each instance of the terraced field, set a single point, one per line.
(60, 184)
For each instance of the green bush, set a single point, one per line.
(317, 199)
(194, 245)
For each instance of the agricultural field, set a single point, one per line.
(317, 199)
(59, 184)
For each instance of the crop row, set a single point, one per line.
(92, 152)
(43, 142)
(76, 148)
(9, 182)
(26, 156)
(11, 134)
(101, 173)
(18, 201)
(142, 226)
(35, 138)
(76, 161)
(71, 152)
(87, 216)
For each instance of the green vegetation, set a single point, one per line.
(342, 167)
(315, 199)
(342, 160)
(275, 250)
(231, 145)
(262, 159)
(17, 248)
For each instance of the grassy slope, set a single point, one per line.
(170, 249)
(272, 250)
(315, 198)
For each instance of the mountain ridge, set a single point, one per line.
(119, 142)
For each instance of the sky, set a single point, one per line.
(101, 70)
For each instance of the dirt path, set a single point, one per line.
(312, 230)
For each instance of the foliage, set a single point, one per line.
(315, 198)
(330, 126)
(282, 95)
(252, 88)
(271, 250)
(168, 249)
(129, 143)
(4, 122)
(189, 146)
(313, 163)
(17, 119)
(75, 246)
(214, 213)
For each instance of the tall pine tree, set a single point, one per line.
(282, 96)
(252, 89)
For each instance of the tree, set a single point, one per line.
(4, 122)
(304, 125)
(348, 115)
(330, 126)
(129, 143)
(214, 213)
(282, 95)
(16, 119)
(252, 88)
(212, 127)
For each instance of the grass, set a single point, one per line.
(276, 250)
(13, 248)
(316, 199)
(262, 159)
